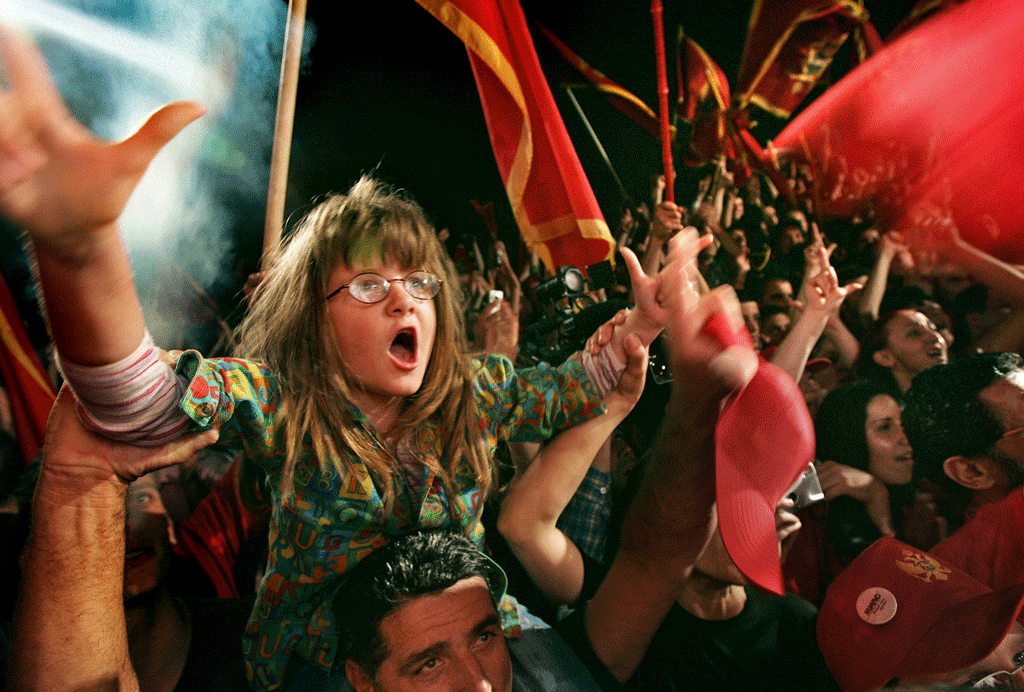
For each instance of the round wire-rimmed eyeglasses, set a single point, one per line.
(371, 287)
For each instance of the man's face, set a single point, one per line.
(1005, 661)
(778, 292)
(148, 542)
(752, 319)
(447, 640)
(1004, 399)
(774, 329)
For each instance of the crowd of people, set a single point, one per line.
(760, 448)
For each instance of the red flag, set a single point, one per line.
(702, 101)
(28, 387)
(617, 95)
(925, 136)
(551, 198)
(789, 45)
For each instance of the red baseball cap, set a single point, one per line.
(897, 611)
(764, 441)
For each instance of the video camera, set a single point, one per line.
(574, 313)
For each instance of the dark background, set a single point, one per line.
(390, 88)
(385, 88)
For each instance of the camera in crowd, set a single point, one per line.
(572, 312)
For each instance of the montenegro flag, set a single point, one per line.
(551, 198)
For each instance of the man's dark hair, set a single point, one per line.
(943, 416)
(410, 566)
(875, 339)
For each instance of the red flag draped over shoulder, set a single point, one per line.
(789, 45)
(925, 136)
(28, 388)
(551, 198)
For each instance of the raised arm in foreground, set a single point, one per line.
(670, 521)
(66, 189)
(69, 622)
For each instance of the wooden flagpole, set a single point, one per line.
(283, 125)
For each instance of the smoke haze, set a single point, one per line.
(199, 210)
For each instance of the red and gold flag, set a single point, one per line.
(790, 43)
(28, 387)
(551, 198)
(702, 101)
(925, 137)
(626, 101)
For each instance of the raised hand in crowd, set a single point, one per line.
(838, 479)
(820, 300)
(536, 499)
(69, 627)
(66, 188)
(496, 329)
(890, 248)
(663, 536)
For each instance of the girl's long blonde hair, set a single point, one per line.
(289, 329)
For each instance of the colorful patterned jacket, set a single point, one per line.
(332, 521)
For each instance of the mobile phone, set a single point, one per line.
(807, 489)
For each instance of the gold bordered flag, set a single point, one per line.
(790, 44)
(28, 387)
(551, 198)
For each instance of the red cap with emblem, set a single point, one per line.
(897, 612)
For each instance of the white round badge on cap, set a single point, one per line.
(876, 606)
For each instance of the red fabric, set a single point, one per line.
(926, 134)
(624, 100)
(28, 387)
(220, 530)
(702, 100)
(990, 547)
(790, 44)
(764, 441)
(551, 198)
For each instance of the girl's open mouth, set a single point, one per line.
(403, 348)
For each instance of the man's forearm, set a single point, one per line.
(69, 627)
(666, 528)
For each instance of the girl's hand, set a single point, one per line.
(838, 479)
(623, 397)
(58, 181)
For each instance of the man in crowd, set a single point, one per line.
(899, 616)
(965, 424)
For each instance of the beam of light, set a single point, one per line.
(114, 63)
(179, 70)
